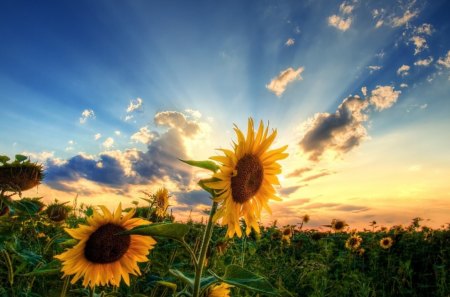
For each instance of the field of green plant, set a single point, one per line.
(294, 261)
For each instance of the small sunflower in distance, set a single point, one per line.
(246, 178)
(219, 290)
(101, 257)
(162, 201)
(386, 242)
(338, 225)
(353, 242)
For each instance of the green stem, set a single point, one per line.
(65, 286)
(91, 291)
(205, 243)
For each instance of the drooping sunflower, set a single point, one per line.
(287, 235)
(101, 256)
(219, 290)
(386, 242)
(246, 178)
(162, 201)
(353, 242)
(338, 225)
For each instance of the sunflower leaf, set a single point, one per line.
(207, 164)
(245, 279)
(175, 231)
(181, 276)
(168, 284)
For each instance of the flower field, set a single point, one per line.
(307, 263)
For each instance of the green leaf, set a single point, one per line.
(21, 158)
(170, 230)
(180, 275)
(245, 279)
(207, 164)
(4, 159)
(206, 282)
(168, 284)
(39, 272)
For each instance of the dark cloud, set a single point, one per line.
(344, 130)
(316, 176)
(193, 198)
(161, 160)
(337, 207)
(289, 190)
(298, 172)
(352, 208)
(340, 131)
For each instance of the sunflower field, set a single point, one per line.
(66, 249)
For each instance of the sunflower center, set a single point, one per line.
(248, 180)
(104, 246)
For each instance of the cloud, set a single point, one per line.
(403, 70)
(445, 61)
(298, 172)
(290, 42)
(346, 8)
(379, 23)
(403, 85)
(128, 117)
(108, 143)
(177, 120)
(403, 20)
(344, 130)
(339, 132)
(117, 132)
(420, 43)
(424, 62)
(364, 91)
(119, 169)
(39, 157)
(97, 136)
(383, 97)
(340, 22)
(289, 190)
(278, 84)
(144, 135)
(373, 68)
(426, 29)
(86, 114)
(316, 176)
(134, 105)
(337, 207)
(193, 198)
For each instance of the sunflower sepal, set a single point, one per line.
(206, 164)
(175, 231)
(202, 183)
(245, 279)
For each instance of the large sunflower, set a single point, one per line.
(246, 178)
(101, 257)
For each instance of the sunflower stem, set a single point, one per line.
(204, 247)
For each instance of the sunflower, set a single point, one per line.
(353, 242)
(219, 290)
(361, 251)
(162, 201)
(338, 225)
(386, 242)
(101, 257)
(246, 178)
(287, 235)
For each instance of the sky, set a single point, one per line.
(108, 95)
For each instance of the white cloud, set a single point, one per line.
(400, 21)
(290, 42)
(177, 120)
(39, 157)
(346, 8)
(108, 143)
(278, 84)
(403, 85)
(424, 62)
(424, 29)
(195, 113)
(134, 105)
(86, 114)
(445, 61)
(97, 136)
(128, 117)
(403, 70)
(373, 68)
(379, 24)
(144, 135)
(339, 22)
(117, 132)
(364, 91)
(383, 97)
(420, 43)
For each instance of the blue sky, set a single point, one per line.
(134, 85)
